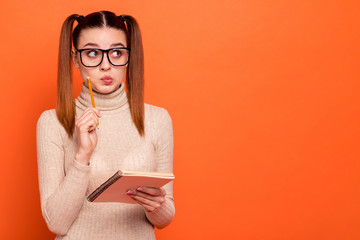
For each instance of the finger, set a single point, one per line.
(83, 116)
(95, 110)
(93, 126)
(88, 112)
(159, 199)
(88, 109)
(87, 120)
(146, 201)
(87, 127)
(152, 191)
(147, 208)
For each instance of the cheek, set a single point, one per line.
(123, 73)
(120, 77)
(87, 72)
(84, 73)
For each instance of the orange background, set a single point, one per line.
(264, 97)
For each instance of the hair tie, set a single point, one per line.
(122, 18)
(79, 18)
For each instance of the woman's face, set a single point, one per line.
(106, 77)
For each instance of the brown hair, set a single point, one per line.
(65, 108)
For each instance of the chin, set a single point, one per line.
(107, 88)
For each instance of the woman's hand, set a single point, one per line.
(85, 128)
(149, 197)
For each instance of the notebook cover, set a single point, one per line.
(115, 188)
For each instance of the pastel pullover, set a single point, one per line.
(64, 183)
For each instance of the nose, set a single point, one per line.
(105, 64)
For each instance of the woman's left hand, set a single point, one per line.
(150, 198)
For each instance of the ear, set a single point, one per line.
(75, 59)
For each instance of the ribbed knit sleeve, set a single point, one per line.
(61, 195)
(164, 160)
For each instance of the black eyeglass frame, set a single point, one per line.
(102, 55)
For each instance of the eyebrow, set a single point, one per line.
(90, 44)
(117, 44)
(95, 45)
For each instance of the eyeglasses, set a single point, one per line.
(93, 57)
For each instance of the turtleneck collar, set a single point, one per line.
(104, 102)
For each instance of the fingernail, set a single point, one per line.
(139, 189)
(100, 114)
(129, 192)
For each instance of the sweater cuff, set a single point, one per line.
(81, 167)
(163, 216)
(79, 172)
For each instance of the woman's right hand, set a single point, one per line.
(85, 128)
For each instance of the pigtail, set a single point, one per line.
(65, 109)
(135, 73)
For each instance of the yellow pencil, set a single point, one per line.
(91, 94)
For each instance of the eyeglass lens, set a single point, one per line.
(93, 57)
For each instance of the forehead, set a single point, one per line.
(102, 37)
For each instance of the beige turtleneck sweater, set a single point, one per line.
(64, 183)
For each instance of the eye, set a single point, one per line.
(92, 53)
(116, 53)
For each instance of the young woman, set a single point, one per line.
(75, 157)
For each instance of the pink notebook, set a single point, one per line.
(115, 188)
